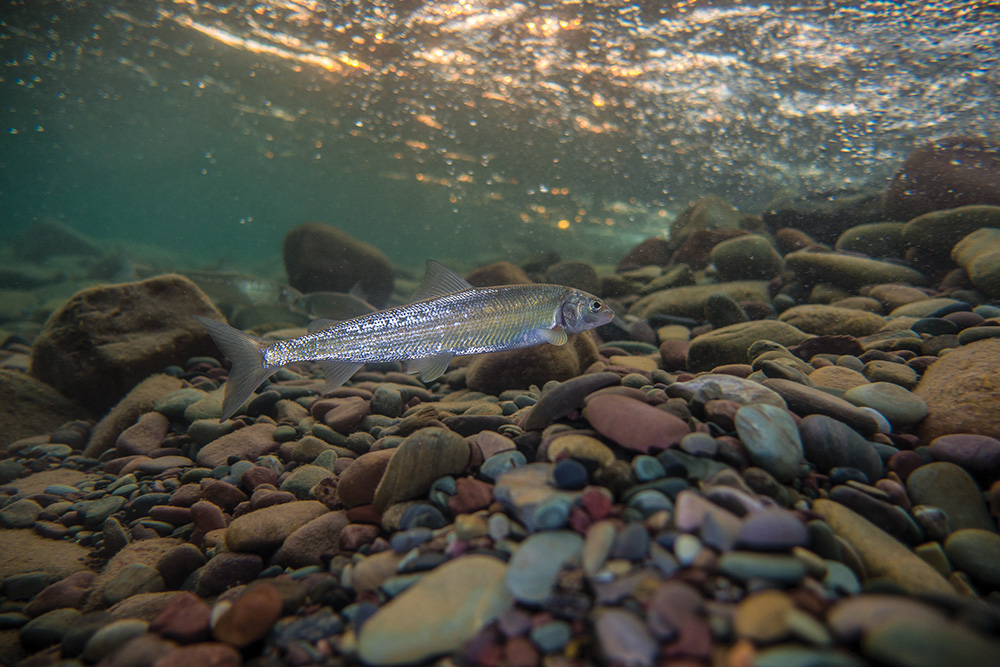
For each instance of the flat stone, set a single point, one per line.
(729, 345)
(979, 454)
(900, 406)
(948, 487)
(772, 530)
(246, 444)
(772, 439)
(689, 301)
(250, 617)
(708, 386)
(919, 643)
(828, 444)
(763, 617)
(881, 555)
(422, 458)
(848, 271)
(265, 529)
(804, 401)
(438, 614)
(623, 638)
(633, 424)
(853, 617)
(977, 553)
(565, 397)
(823, 320)
(535, 565)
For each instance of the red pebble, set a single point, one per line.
(596, 503)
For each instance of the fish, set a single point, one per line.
(448, 316)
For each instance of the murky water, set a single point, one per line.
(471, 128)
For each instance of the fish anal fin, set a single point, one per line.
(337, 372)
(554, 336)
(439, 280)
(430, 368)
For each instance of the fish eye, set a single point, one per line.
(595, 306)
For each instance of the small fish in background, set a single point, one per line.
(448, 317)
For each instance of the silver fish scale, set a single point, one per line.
(479, 320)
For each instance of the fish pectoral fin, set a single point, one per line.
(337, 372)
(321, 323)
(439, 280)
(554, 336)
(430, 368)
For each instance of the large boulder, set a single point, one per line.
(31, 407)
(962, 391)
(107, 339)
(947, 173)
(324, 258)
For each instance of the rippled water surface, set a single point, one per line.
(466, 129)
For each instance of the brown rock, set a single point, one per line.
(633, 424)
(30, 407)
(246, 444)
(107, 339)
(832, 320)
(422, 458)
(137, 402)
(495, 372)
(498, 273)
(357, 484)
(316, 539)
(948, 172)
(186, 619)
(264, 530)
(250, 617)
(145, 436)
(324, 258)
(142, 552)
(962, 392)
(652, 251)
(211, 654)
(729, 345)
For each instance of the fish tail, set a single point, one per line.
(245, 353)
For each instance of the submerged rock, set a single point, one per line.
(107, 339)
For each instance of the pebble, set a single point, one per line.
(250, 617)
(948, 487)
(623, 638)
(772, 530)
(48, 628)
(265, 529)
(919, 643)
(772, 439)
(633, 424)
(829, 444)
(881, 555)
(976, 552)
(805, 401)
(420, 459)
(978, 454)
(746, 565)
(900, 406)
(535, 565)
(109, 637)
(438, 614)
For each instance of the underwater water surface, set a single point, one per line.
(470, 128)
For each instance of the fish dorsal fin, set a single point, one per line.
(430, 368)
(320, 323)
(337, 372)
(439, 280)
(554, 336)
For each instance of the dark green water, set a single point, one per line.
(471, 130)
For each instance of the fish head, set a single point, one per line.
(581, 311)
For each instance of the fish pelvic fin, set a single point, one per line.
(337, 372)
(245, 353)
(430, 368)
